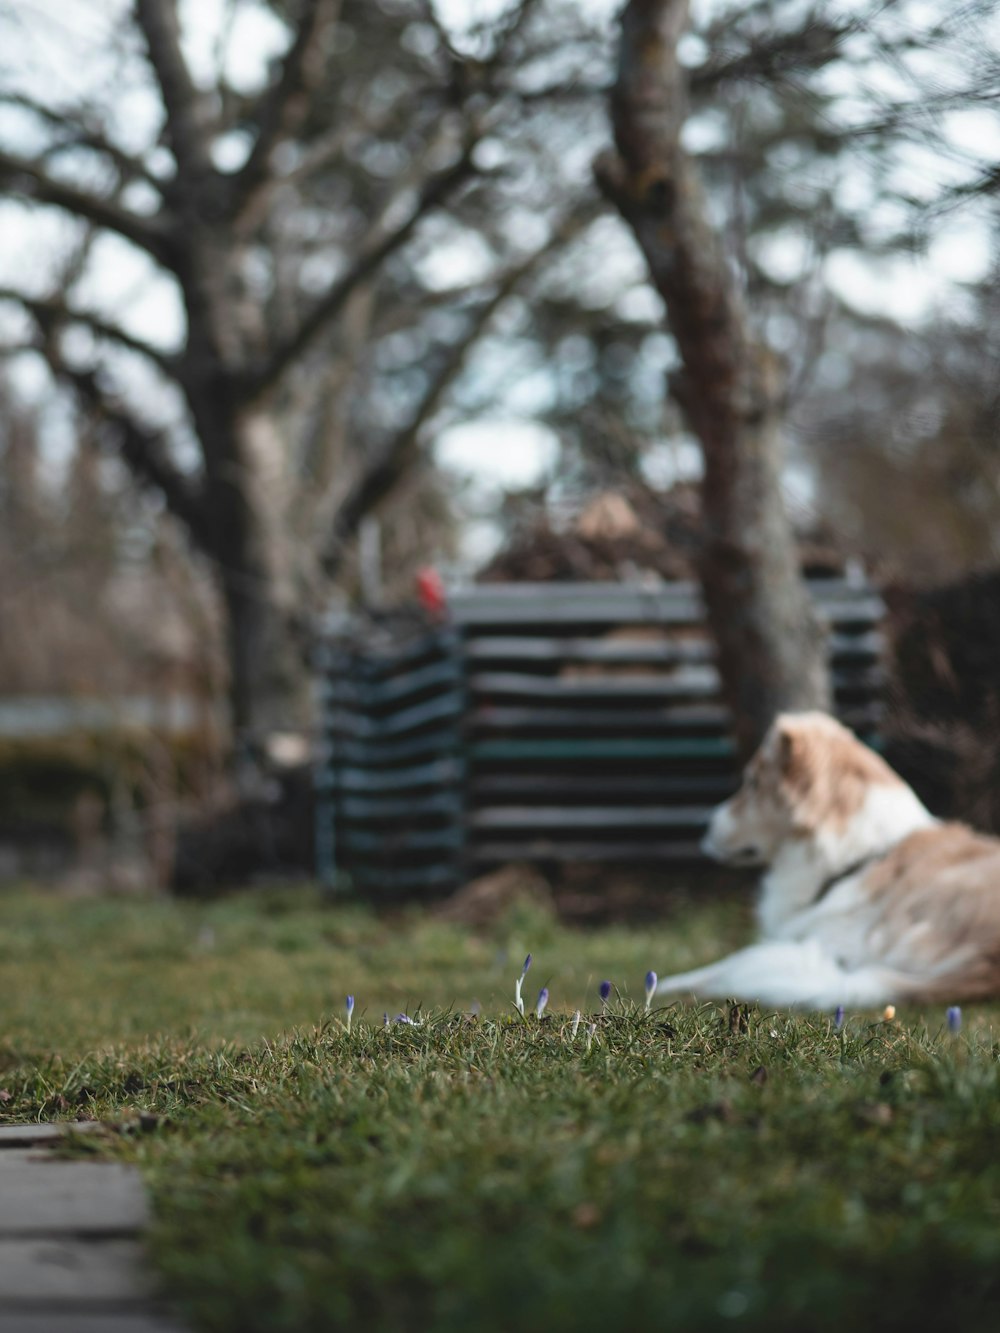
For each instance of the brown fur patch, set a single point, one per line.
(826, 771)
(937, 894)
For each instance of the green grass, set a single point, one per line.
(498, 1174)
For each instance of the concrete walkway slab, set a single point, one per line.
(54, 1322)
(22, 1136)
(75, 1271)
(55, 1198)
(71, 1257)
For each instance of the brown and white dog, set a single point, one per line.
(867, 898)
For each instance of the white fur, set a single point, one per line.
(800, 867)
(815, 954)
(783, 973)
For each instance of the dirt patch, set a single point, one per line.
(594, 895)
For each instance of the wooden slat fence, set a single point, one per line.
(549, 722)
(391, 780)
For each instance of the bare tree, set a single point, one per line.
(255, 345)
(731, 389)
(298, 222)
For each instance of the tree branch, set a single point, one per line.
(434, 192)
(396, 457)
(283, 107)
(143, 449)
(82, 135)
(657, 190)
(49, 312)
(24, 176)
(769, 60)
(145, 452)
(183, 103)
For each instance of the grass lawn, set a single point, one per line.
(690, 1168)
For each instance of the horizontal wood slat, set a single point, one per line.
(378, 662)
(680, 717)
(689, 682)
(379, 752)
(419, 840)
(379, 693)
(650, 786)
(618, 651)
(378, 878)
(700, 747)
(621, 603)
(623, 651)
(438, 773)
(594, 817)
(485, 852)
(374, 808)
(357, 724)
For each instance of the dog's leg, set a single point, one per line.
(791, 972)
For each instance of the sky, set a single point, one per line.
(49, 46)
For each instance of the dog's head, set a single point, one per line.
(810, 775)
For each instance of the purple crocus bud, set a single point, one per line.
(650, 987)
(543, 999)
(838, 1017)
(385, 1020)
(350, 1010)
(954, 1017)
(405, 1018)
(518, 983)
(605, 991)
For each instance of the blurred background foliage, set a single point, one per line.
(330, 246)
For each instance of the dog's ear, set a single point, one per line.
(825, 771)
(787, 745)
(804, 775)
(786, 750)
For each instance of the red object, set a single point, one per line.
(430, 591)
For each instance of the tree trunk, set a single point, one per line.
(267, 669)
(267, 678)
(772, 652)
(771, 649)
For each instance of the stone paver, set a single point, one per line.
(70, 1241)
(53, 1198)
(72, 1271)
(22, 1136)
(76, 1322)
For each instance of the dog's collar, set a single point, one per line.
(853, 869)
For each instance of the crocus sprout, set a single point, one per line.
(385, 1020)
(518, 983)
(954, 1017)
(838, 1017)
(543, 999)
(650, 987)
(350, 1010)
(605, 992)
(591, 1029)
(576, 1024)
